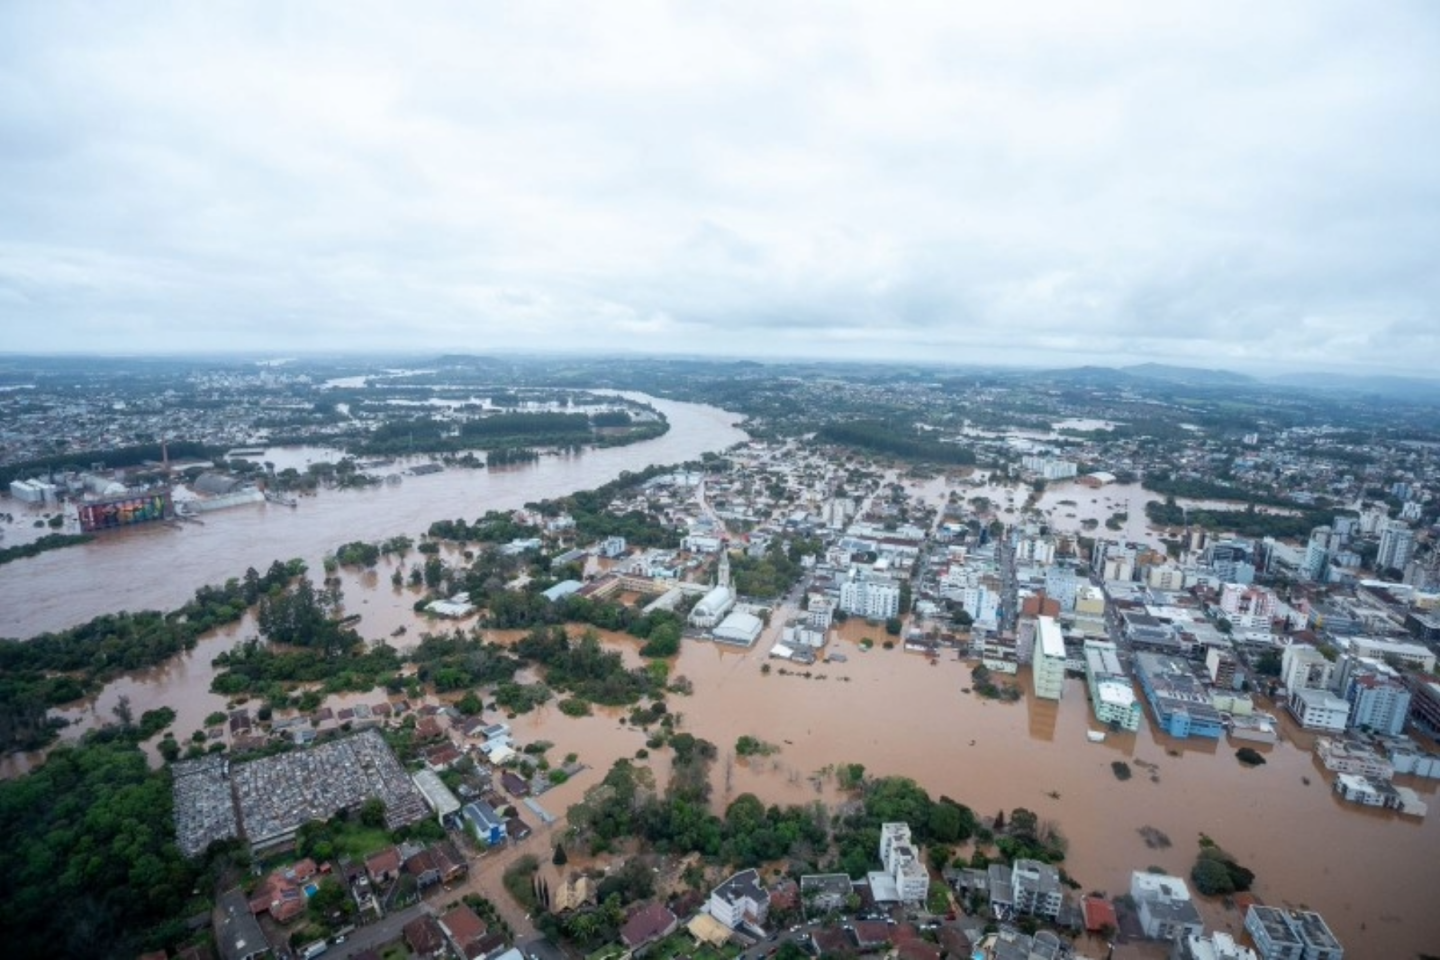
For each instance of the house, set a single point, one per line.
(823, 893)
(651, 922)
(488, 825)
(870, 934)
(464, 931)
(1099, 915)
(1164, 905)
(514, 784)
(574, 891)
(237, 933)
(383, 867)
(739, 900)
(516, 829)
(425, 938)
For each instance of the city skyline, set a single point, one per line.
(1208, 185)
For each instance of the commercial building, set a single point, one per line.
(1291, 935)
(1319, 710)
(1181, 705)
(1397, 543)
(436, 794)
(1049, 668)
(1216, 946)
(1112, 695)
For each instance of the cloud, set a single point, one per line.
(1212, 182)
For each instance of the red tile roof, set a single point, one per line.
(1098, 913)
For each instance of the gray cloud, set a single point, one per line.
(1218, 182)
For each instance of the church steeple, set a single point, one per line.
(722, 575)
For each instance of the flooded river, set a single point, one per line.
(1373, 875)
(159, 567)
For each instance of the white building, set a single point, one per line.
(871, 599)
(1216, 946)
(902, 863)
(1049, 468)
(1246, 606)
(1283, 935)
(739, 901)
(1112, 695)
(1411, 654)
(821, 613)
(1049, 663)
(1035, 888)
(1397, 543)
(1302, 667)
(712, 608)
(1164, 904)
(1319, 710)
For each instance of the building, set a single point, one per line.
(1112, 696)
(1379, 700)
(871, 598)
(1319, 710)
(1164, 906)
(739, 628)
(436, 794)
(1049, 663)
(713, 607)
(1397, 543)
(902, 863)
(489, 826)
(1180, 702)
(1216, 946)
(1049, 468)
(823, 893)
(1035, 888)
(464, 930)
(237, 933)
(654, 921)
(1415, 655)
(1302, 667)
(1291, 935)
(740, 901)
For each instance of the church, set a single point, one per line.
(712, 608)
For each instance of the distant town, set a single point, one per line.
(1236, 571)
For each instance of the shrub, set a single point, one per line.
(1121, 769)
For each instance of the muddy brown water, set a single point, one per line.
(1373, 875)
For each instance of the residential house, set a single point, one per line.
(488, 825)
(652, 922)
(464, 931)
(425, 938)
(514, 784)
(383, 867)
(1217, 946)
(823, 893)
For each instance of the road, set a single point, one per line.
(375, 935)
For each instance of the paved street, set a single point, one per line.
(374, 935)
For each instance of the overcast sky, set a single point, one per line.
(1232, 184)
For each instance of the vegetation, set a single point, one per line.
(1121, 769)
(748, 746)
(56, 668)
(51, 541)
(983, 683)
(897, 440)
(1249, 757)
(1216, 873)
(89, 867)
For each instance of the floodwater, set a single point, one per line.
(1371, 874)
(159, 567)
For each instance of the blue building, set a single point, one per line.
(1178, 697)
(488, 825)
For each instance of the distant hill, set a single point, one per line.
(1198, 376)
(1399, 388)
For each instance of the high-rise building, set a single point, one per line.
(1397, 542)
(1049, 662)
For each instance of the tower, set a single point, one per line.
(722, 575)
